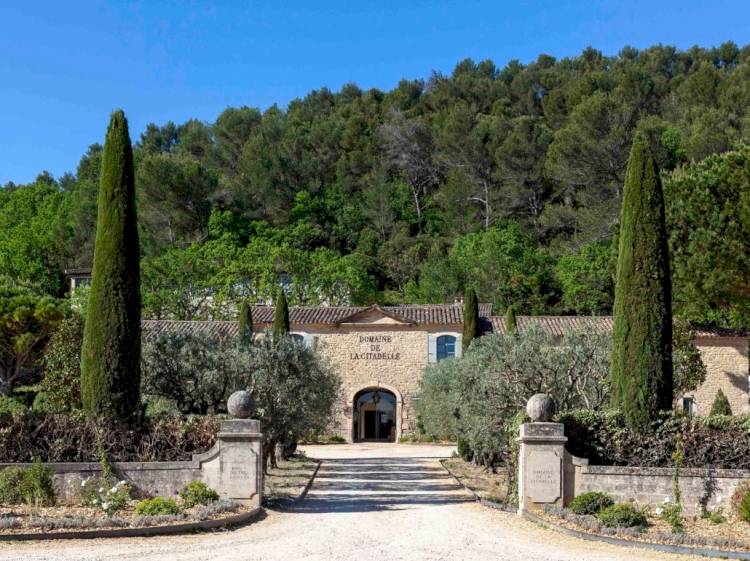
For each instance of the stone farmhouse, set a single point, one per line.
(380, 352)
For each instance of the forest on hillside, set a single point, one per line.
(506, 179)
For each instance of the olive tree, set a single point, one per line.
(478, 395)
(294, 390)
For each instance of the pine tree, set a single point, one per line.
(641, 366)
(111, 352)
(280, 316)
(245, 323)
(472, 329)
(510, 320)
(721, 405)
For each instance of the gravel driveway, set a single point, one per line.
(368, 502)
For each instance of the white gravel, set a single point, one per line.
(389, 502)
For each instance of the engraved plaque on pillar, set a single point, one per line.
(238, 470)
(543, 475)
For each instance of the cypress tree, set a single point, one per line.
(111, 351)
(280, 316)
(245, 323)
(641, 366)
(471, 319)
(510, 320)
(720, 405)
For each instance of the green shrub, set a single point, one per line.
(462, 447)
(42, 404)
(672, 514)
(715, 517)
(198, 493)
(622, 515)
(31, 485)
(591, 503)
(11, 479)
(720, 405)
(62, 365)
(11, 406)
(743, 509)
(37, 487)
(156, 507)
(26, 394)
(336, 438)
(427, 438)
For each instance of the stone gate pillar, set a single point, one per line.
(234, 466)
(540, 458)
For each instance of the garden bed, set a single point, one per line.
(289, 481)
(483, 482)
(27, 522)
(732, 534)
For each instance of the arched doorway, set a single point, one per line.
(375, 415)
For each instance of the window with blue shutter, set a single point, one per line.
(446, 347)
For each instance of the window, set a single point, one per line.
(688, 405)
(297, 338)
(446, 347)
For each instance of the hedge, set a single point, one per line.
(70, 438)
(603, 438)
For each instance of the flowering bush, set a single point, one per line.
(104, 494)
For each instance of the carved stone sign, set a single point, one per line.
(375, 347)
(543, 481)
(238, 470)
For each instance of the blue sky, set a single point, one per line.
(65, 65)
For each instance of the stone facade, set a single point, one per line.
(374, 353)
(726, 363)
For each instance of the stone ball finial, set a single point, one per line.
(241, 404)
(540, 408)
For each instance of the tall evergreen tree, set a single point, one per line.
(641, 366)
(280, 316)
(510, 320)
(721, 405)
(245, 323)
(111, 352)
(472, 329)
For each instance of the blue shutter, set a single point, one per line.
(431, 348)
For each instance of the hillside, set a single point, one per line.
(505, 178)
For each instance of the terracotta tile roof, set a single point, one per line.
(222, 329)
(428, 314)
(559, 325)
(425, 314)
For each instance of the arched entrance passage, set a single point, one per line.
(375, 415)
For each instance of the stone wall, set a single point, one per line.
(395, 362)
(233, 467)
(653, 486)
(726, 369)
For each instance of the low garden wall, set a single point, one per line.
(233, 467)
(151, 478)
(711, 488)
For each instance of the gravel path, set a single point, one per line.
(369, 501)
